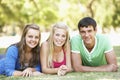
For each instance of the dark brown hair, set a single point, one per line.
(87, 21)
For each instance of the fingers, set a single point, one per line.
(114, 67)
(62, 70)
(63, 67)
(27, 73)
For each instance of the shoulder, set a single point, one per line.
(102, 36)
(12, 50)
(12, 47)
(76, 39)
(45, 43)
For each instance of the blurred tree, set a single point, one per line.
(116, 16)
(47, 12)
(21, 12)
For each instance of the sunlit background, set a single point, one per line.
(15, 14)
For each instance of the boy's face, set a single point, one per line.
(88, 35)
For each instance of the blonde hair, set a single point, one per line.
(59, 25)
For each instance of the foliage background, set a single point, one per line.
(14, 14)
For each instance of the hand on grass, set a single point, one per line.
(62, 70)
(112, 68)
(27, 72)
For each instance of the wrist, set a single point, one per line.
(58, 72)
(31, 69)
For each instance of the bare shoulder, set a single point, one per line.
(44, 44)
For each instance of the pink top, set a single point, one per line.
(58, 64)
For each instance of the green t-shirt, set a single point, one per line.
(97, 56)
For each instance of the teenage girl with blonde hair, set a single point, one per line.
(55, 52)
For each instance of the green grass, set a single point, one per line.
(2, 50)
(76, 75)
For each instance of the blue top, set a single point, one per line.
(11, 63)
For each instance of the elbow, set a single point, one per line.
(70, 70)
(44, 71)
(9, 73)
(78, 69)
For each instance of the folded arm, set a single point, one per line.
(109, 67)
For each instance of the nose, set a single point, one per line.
(86, 34)
(33, 38)
(59, 37)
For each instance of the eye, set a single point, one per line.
(63, 35)
(57, 34)
(30, 36)
(36, 37)
(90, 31)
(82, 32)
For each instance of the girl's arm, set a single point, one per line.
(10, 61)
(68, 58)
(44, 60)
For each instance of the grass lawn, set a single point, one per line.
(76, 75)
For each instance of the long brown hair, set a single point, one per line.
(22, 47)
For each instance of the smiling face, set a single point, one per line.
(59, 37)
(32, 38)
(88, 35)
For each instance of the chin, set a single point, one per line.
(32, 46)
(58, 45)
(88, 43)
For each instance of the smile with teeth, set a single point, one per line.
(32, 43)
(59, 42)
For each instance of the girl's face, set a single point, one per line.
(59, 37)
(32, 38)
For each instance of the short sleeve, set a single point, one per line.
(75, 44)
(108, 45)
